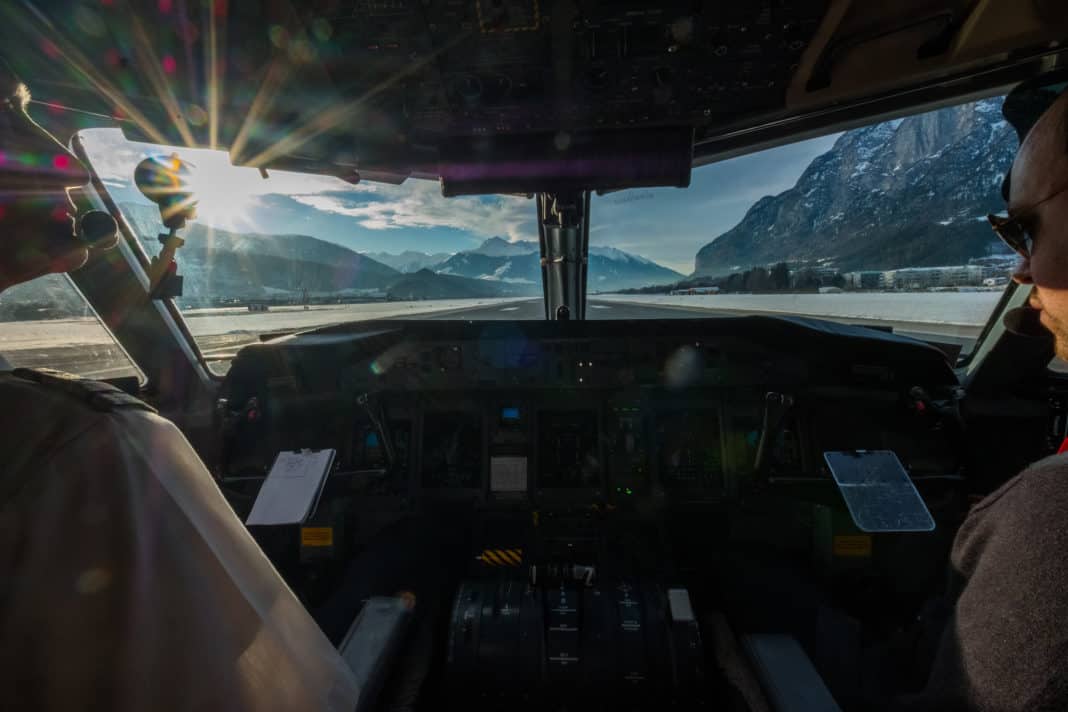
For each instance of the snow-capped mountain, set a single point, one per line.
(499, 247)
(409, 261)
(519, 263)
(909, 192)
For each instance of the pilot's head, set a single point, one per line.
(37, 234)
(1038, 204)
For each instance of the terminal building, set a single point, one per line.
(984, 271)
(928, 277)
(868, 279)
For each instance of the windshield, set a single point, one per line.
(882, 225)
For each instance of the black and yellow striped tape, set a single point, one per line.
(501, 557)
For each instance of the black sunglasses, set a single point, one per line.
(1013, 234)
(1013, 229)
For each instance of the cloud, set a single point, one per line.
(419, 204)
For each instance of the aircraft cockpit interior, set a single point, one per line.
(686, 489)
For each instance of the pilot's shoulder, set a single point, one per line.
(43, 411)
(1042, 487)
(80, 393)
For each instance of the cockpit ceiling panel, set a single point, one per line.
(334, 86)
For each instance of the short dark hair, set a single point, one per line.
(1025, 104)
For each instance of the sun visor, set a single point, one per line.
(605, 160)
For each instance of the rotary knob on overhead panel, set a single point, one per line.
(467, 88)
(508, 15)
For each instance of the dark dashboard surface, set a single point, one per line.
(506, 412)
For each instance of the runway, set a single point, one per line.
(619, 309)
(82, 346)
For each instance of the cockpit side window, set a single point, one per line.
(47, 323)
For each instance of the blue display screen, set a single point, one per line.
(510, 414)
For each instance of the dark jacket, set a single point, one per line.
(1005, 645)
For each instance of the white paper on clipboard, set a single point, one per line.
(292, 487)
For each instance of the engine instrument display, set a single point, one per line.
(452, 450)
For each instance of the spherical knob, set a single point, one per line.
(165, 181)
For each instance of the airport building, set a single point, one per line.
(868, 279)
(970, 275)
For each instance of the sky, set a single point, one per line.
(667, 225)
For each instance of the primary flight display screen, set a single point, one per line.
(690, 449)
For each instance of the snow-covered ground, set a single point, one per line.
(933, 308)
(18, 335)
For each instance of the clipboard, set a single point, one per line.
(878, 492)
(292, 488)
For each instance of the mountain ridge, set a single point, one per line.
(867, 202)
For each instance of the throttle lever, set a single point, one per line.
(776, 407)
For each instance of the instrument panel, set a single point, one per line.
(530, 445)
(584, 411)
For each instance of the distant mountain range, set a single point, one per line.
(217, 262)
(520, 263)
(905, 193)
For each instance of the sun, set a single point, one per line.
(226, 195)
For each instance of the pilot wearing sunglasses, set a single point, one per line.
(1005, 643)
(1036, 227)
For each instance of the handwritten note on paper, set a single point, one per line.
(291, 488)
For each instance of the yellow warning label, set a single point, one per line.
(316, 536)
(502, 557)
(856, 545)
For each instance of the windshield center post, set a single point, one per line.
(564, 238)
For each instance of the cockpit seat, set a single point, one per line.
(787, 675)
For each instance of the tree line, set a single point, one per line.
(777, 278)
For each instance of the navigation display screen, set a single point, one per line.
(567, 452)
